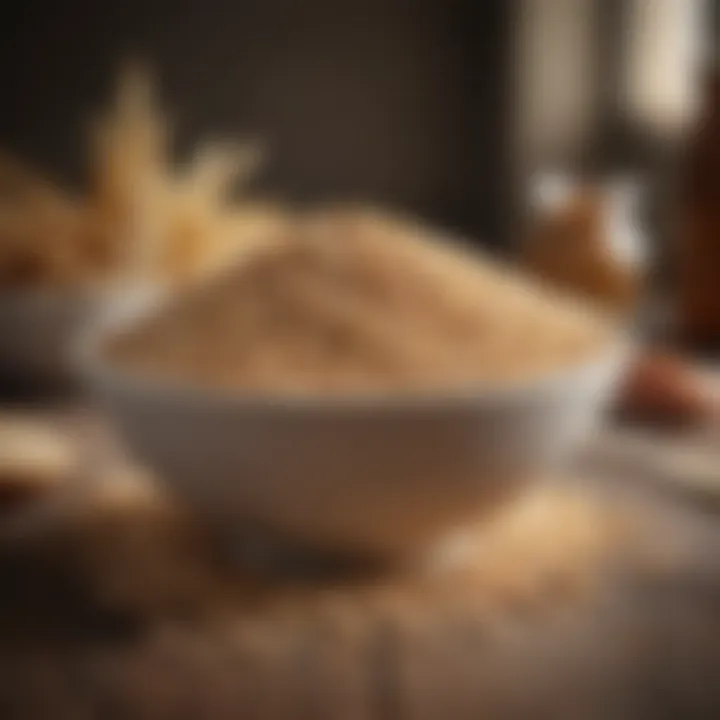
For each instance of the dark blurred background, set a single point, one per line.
(435, 106)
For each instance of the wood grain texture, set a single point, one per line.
(586, 600)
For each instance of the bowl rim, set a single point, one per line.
(88, 359)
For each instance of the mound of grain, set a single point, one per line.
(357, 302)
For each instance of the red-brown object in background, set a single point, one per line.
(699, 256)
(663, 387)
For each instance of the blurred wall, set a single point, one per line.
(399, 101)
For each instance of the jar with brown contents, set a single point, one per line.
(585, 242)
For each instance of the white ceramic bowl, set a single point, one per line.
(383, 475)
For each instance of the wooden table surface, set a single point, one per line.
(603, 602)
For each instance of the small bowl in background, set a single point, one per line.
(39, 327)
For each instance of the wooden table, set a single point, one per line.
(603, 601)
